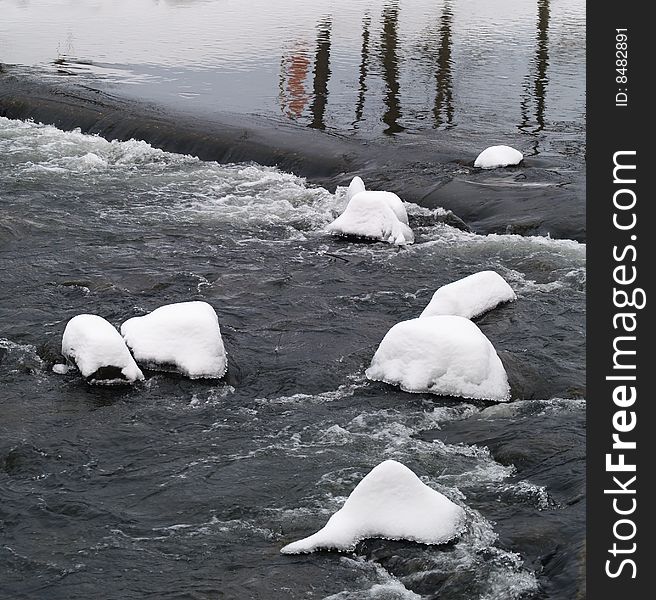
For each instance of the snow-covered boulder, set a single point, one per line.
(183, 337)
(98, 351)
(444, 355)
(355, 187)
(374, 215)
(471, 296)
(498, 156)
(390, 502)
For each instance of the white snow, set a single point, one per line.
(445, 355)
(376, 215)
(184, 337)
(92, 343)
(471, 296)
(498, 156)
(61, 369)
(390, 502)
(355, 187)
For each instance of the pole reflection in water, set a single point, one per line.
(443, 109)
(364, 68)
(390, 67)
(321, 75)
(536, 89)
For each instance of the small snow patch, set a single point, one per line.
(498, 156)
(355, 187)
(471, 296)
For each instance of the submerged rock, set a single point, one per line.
(498, 156)
(444, 355)
(99, 351)
(183, 337)
(374, 215)
(390, 502)
(470, 296)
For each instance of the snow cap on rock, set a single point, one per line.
(98, 351)
(498, 156)
(470, 296)
(445, 355)
(183, 337)
(390, 502)
(374, 215)
(355, 187)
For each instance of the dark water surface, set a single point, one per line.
(188, 489)
(498, 69)
(404, 93)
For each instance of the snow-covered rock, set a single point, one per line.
(355, 187)
(498, 156)
(183, 337)
(471, 296)
(98, 351)
(375, 215)
(390, 502)
(445, 355)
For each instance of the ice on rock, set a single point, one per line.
(445, 355)
(355, 187)
(183, 337)
(99, 351)
(471, 296)
(390, 502)
(374, 215)
(498, 156)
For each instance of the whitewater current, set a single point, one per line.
(188, 489)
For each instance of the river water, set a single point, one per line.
(188, 489)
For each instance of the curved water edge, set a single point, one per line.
(546, 195)
(176, 474)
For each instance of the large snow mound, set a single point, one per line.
(445, 355)
(498, 156)
(390, 502)
(376, 215)
(183, 337)
(98, 351)
(471, 296)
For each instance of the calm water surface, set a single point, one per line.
(513, 68)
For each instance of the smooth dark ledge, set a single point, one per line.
(418, 171)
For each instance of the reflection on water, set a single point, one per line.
(512, 67)
(364, 66)
(321, 74)
(390, 62)
(294, 69)
(443, 109)
(537, 80)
